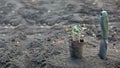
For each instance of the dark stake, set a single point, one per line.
(103, 50)
(104, 28)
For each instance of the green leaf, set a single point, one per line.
(75, 30)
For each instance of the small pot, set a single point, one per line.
(76, 48)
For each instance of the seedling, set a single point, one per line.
(78, 31)
(77, 42)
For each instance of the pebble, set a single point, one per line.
(49, 11)
(1, 11)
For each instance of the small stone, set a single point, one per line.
(18, 42)
(1, 11)
(13, 11)
(49, 11)
(3, 35)
(33, 0)
(6, 27)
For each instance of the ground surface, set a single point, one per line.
(32, 33)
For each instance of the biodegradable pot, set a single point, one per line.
(76, 48)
